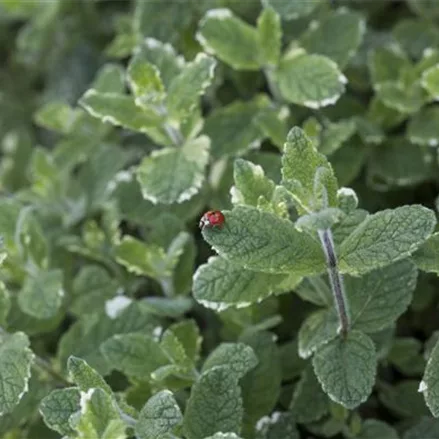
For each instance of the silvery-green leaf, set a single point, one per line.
(321, 220)
(42, 295)
(215, 404)
(373, 429)
(174, 175)
(221, 284)
(429, 385)
(346, 368)
(15, 369)
(292, 10)
(84, 376)
(303, 169)
(136, 355)
(238, 356)
(186, 88)
(427, 256)
(313, 81)
(56, 116)
(158, 417)
(270, 36)
(379, 297)
(338, 36)
(425, 428)
(386, 63)
(229, 38)
(430, 81)
(279, 424)
(262, 241)
(423, 127)
(385, 237)
(5, 304)
(317, 330)
(398, 96)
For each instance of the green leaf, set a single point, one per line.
(338, 36)
(385, 237)
(215, 404)
(175, 351)
(94, 329)
(397, 162)
(158, 417)
(426, 427)
(261, 385)
(224, 436)
(262, 241)
(221, 284)
(300, 173)
(145, 82)
(42, 294)
(429, 385)
(379, 297)
(163, 56)
(97, 417)
(405, 355)
(233, 129)
(120, 110)
(15, 369)
(398, 96)
(292, 10)
(423, 128)
(172, 175)
(56, 116)
(136, 355)
(373, 428)
(346, 368)
(427, 256)
(322, 220)
(84, 376)
(276, 426)
(5, 304)
(239, 357)
(229, 38)
(270, 36)
(309, 403)
(386, 64)
(335, 135)
(188, 334)
(250, 183)
(273, 123)
(185, 89)
(57, 407)
(430, 81)
(313, 81)
(317, 330)
(110, 79)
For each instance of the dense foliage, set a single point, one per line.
(308, 309)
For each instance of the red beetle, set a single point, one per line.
(213, 219)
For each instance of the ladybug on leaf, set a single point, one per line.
(213, 219)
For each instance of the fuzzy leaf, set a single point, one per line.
(270, 36)
(158, 417)
(337, 37)
(15, 369)
(430, 382)
(172, 175)
(238, 356)
(136, 355)
(185, 89)
(317, 330)
(313, 81)
(5, 304)
(215, 404)
(379, 297)
(300, 171)
(120, 110)
(385, 237)
(57, 407)
(84, 376)
(229, 38)
(276, 426)
(221, 284)
(292, 10)
(425, 428)
(430, 81)
(309, 403)
(372, 429)
(42, 295)
(427, 256)
(423, 127)
(262, 241)
(346, 368)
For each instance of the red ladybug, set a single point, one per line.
(212, 219)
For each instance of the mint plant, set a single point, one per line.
(218, 219)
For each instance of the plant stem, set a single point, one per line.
(336, 280)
